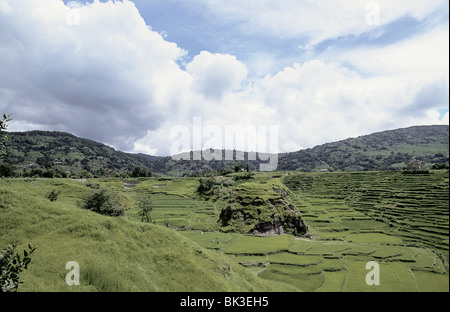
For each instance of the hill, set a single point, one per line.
(62, 154)
(398, 220)
(387, 150)
(115, 254)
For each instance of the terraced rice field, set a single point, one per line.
(387, 207)
(316, 265)
(183, 213)
(400, 221)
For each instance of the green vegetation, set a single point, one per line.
(262, 206)
(11, 265)
(103, 202)
(114, 254)
(225, 228)
(61, 155)
(53, 195)
(145, 206)
(3, 126)
(387, 150)
(397, 220)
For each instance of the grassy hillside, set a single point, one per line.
(398, 220)
(114, 253)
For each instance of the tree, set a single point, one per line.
(205, 185)
(6, 170)
(439, 166)
(139, 172)
(10, 267)
(145, 205)
(3, 126)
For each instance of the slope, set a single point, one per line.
(387, 150)
(67, 155)
(114, 254)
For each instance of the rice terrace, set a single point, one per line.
(224, 154)
(241, 235)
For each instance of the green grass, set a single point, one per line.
(431, 282)
(373, 238)
(394, 277)
(173, 186)
(293, 259)
(259, 245)
(400, 221)
(115, 254)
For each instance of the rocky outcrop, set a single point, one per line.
(267, 212)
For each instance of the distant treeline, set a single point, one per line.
(57, 154)
(11, 171)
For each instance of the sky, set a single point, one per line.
(131, 74)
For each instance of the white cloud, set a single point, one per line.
(215, 74)
(109, 78)
(425, 55)
(113, 79)
(314, 20)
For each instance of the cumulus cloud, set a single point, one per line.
(99, 71)
(215, 74)
(323, 101)
(109, 78)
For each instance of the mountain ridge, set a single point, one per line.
(69, 155)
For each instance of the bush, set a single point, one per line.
(440, 166)
(415, 168)
(53, 195)
(205, 185)
(416, 171)
(6, 170)
(243, 176)
(139, 172)
(102, 202)
(145, 205)
(10, 267)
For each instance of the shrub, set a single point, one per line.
(415, 168)
(6, 170)
(10, 267)
(53, 195)
(243, 176)
(416, 171)
(145, 205)
(102, 202)
(205, 185)
(94, 186)
(439, 166)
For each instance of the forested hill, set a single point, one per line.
(62, 154)
(387, 150)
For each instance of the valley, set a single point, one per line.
(398, 220)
